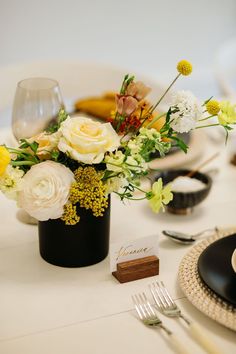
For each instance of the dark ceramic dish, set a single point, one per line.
(184, 202)
(219, 276)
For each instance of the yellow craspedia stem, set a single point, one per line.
(213, 107)
(5, 159)
(184, 67)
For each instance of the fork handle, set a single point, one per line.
(206, 343)
(177, 345)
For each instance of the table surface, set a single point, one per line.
(48, 309)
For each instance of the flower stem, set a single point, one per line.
(201, 120)
(125, 197)
(22, 163)
(141, 190)
(161, 98)
(155, 120)
(206, 126)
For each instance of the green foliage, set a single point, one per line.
(24, 144)
(25, 155)
(227, 129)
(126, 81)
(54, 126)
(180, 143)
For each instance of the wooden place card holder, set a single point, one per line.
(137, 269)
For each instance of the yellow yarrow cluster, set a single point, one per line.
(184, 67)
(88, 191)
(213, 107)
(70, 214)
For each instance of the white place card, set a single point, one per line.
(127, 251)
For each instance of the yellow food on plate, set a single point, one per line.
(99, 107)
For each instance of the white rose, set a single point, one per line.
(46, 188)
(86, 141)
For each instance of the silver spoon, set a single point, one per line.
(187, 239)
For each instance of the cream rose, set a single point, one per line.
(45, 190)
(46, 143)
(86, 141)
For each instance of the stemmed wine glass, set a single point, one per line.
(36, 104)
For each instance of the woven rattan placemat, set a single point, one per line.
(203, 298)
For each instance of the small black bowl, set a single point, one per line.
(184, 202)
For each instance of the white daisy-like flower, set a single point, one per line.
(11, 182)
(186, 112)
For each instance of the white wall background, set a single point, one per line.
(148, 36)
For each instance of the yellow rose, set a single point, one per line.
(5, 159)
(86, 141)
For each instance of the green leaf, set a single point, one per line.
(25, 144)
(62, 116)
(180, 143)
(168, 115)
(207, 101)
(55, 155)
(130, 79)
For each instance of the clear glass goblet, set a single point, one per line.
(36, 105)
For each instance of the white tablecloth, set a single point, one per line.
(48, 309)
(52, 310)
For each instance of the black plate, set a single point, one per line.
(215, 269)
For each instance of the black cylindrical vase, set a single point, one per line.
(79, 245)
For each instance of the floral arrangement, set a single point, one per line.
(78, 162)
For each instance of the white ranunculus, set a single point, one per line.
(46, 188)
(86, 141)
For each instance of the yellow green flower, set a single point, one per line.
(227, 114)
(159, 196)
(184, 67)
(5, 159)
(213, 107)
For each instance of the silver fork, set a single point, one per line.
(168, 307)
(149, 317)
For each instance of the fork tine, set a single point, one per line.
(167, 293)
(154, 293)
(145, 304)
(161, 296)
(136, 305)
(149, 305)
(140, 305)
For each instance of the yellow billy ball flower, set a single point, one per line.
(184, 67)
(5, 158)
(213, 107)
